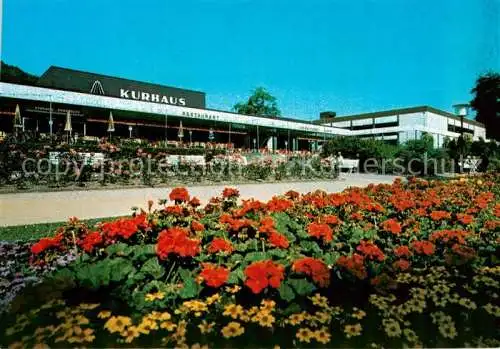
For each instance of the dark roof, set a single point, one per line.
(400, 111)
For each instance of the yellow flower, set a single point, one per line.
(322, 335)
(295, 319)
(233, 289)
(358, 314)
(130, 333)
(16, 345)
(80, 336)
(87, 306)
(267, 304)
(319, 300)
(199, 346)
(448, 330)
(322, 317)
(104, 314)
(264, 319)
(492, 309)
(233, 329)
(213, 299)
(147, 325)
(168, 325)
(391, 327)
(410, 335)
(75, 321)
(304, 335)
(352, 330)
(40, 346)
(233, 310)
(206, 327)
(467, 303)
(117, 323)
(150, 297)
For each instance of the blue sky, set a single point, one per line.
(313, 55)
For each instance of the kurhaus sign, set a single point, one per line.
(79, 81)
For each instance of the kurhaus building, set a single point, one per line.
(156, 112)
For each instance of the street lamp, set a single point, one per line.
(191, 138)
(254, 145)
(130, 132)
(462, 110)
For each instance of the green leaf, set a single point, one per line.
(143, 252)
(302, 286)
(153, 268)
(331, 258)
(236, 276)
(310, 246)
(190, 288)
(286, 292)
(118, 248)
(256, 256)
(291, 309)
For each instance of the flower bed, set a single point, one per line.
(412, 264)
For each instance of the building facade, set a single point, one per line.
(156, 112)
(401, 125)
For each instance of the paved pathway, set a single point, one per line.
(28, 208)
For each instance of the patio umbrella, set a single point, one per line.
(111, 123)
(67, 126)
(181, 131)
(17, 118)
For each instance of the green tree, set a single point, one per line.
(260, 103)
(12, 74)
(486, 103)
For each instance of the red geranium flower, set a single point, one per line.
(278, 205)
(45, 243)
(220, 244)
(370, 250)
(197, 226)
(278, 240)
(401, 264)
(195, 202)
(423, 247)
(331, 219)
(402, 251)
(320, 231)
(267, 225)
(292, 195)
(355, 264)
(213, 275)
(440, 215)
(175, 210)
(391, 226)
(90, 241)
(179, 195)
(230, 193)
(176, 241)
(465, 219)
(260, 275)
(124, 227)
(315, 268)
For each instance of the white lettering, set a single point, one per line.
(136, 95)
(164, 99)
(182, 101)
(123, 93)
(155, 98)
(145, 96)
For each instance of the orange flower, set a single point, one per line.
(179, 195)
(315, 268)
(370, 251)
(402, 251)
(278, 205)
(355, 264)
(401, 264)
(278, 240)
(176, 241)
(260, 275)
(465, 219)
(331, 219)
(440, 215)
(391, 226)
(213, 275)
(220, 245)
(320, 231)
(197, 226)
(230, 193)
(423, 247)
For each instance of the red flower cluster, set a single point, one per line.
(331, 219)
(124, 227)
(423, 247)
(391, 226)
(355, 264)
(248, 206)
(179, 195)
(195, 202)
(449, 236)
(315, 268)
(214, 276)
(220, 245)
(370, 251)
(234, 224)
(90, 241)
(496, 210)
(229, 193)
(465, 219)
(292, 195)
(402, 251)
(197, 226)
(278, 240)
(320, 231)
(267, 225)
(46, 243)
(440, 215)
(278, 205)
(401, 264)
(260, 275)
(176, 241)
(175, 210)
